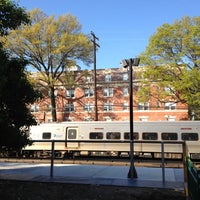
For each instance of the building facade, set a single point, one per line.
(106, 99)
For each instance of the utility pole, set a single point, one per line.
(95, 45)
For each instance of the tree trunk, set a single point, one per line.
(53, 105)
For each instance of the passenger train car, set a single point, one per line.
(113, 139)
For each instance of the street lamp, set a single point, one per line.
(130, 63)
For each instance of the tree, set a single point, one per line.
(11, 16)
(51, 46)
(15, 90)
(15, 94)
(173, 57)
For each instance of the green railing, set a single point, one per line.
(193, 180)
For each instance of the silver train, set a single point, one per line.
(112, 139)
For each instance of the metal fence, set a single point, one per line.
(162, 145)
(193, 180)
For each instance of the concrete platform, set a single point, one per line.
(93, 174)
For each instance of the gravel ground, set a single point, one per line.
(18, 190)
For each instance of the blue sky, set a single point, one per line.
(122, 26)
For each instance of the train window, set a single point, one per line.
(127, 136)
(169, 136)
(96, 135)
(113, 135)
(72, 133)
(46, 135)
(149, 136)
(189, 136)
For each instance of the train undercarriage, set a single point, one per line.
(118, 154)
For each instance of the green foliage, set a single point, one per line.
(15, 90)
(176, 44)
(70, 80)
(15, 94)
(11, 16)
(173, 57)
(51, 46)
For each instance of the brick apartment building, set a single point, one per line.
(77, 102)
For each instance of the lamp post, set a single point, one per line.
(130, 63)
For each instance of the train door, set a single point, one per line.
(71, 136)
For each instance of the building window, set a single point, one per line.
(170, 106)
(125, 106)
(143, 106)
(89, 92)
(88, 107)
(35, 108)
(108, 119)
(158, 104)
(125, 92)
(170, 118)
(89, 79)
(69, 107)
(143, 118)
(108, 92)
(88, 119)
(70, 93)
(49, 120)
(107, 107)
(68, 119)
(125, 76)
(49, 108)
(167, 89)
(107, 78)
